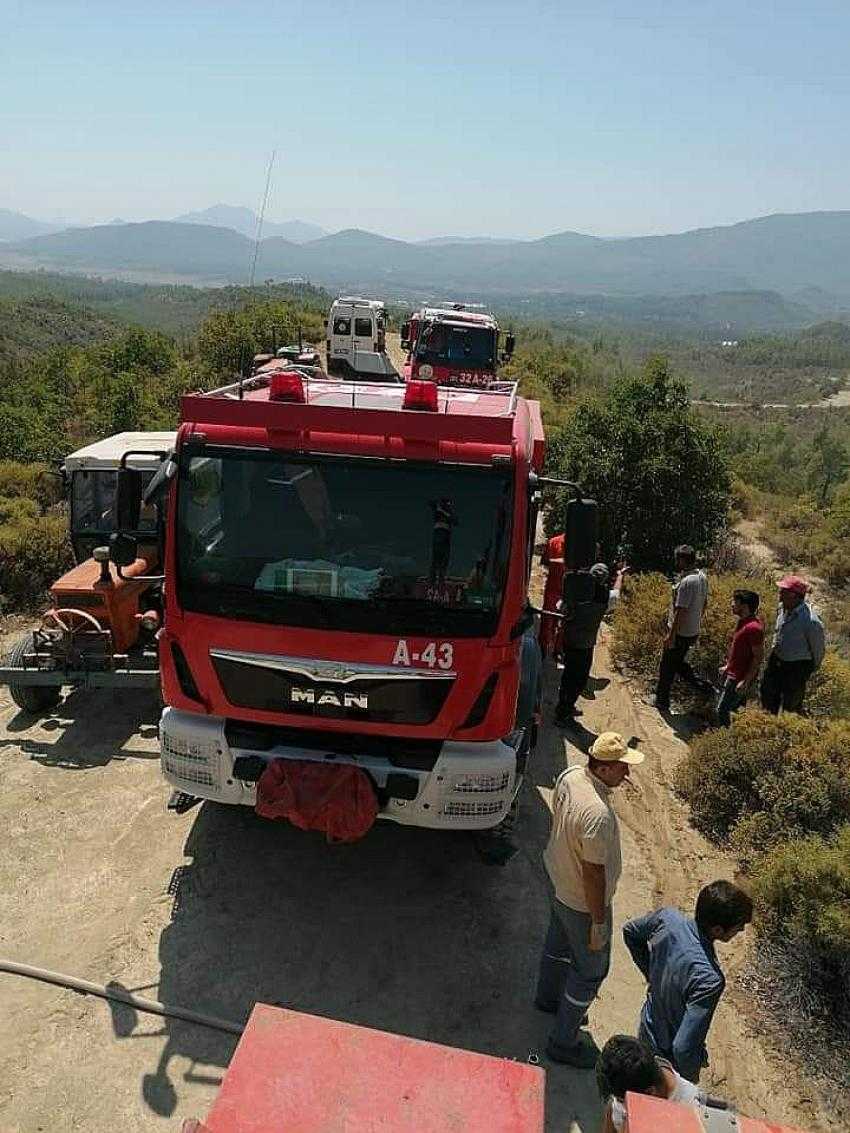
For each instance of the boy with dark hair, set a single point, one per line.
(744, 658)
(627, 1065)
(685, 982)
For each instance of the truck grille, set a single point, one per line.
(331, 690)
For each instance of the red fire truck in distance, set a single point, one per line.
(346, 581)
(454, 344)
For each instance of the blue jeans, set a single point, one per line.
(730, 701)
(570, 972)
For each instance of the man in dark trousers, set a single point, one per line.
(744, 658)
(583, 860)
(798, 649)
(690, 594)
(685, 982)
(579, 629)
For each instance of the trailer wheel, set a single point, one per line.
(34, 699)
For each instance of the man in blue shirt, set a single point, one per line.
(685, 981)
(798, 649)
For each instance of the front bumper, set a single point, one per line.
(470, 787)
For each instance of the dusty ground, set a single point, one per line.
(407, 931)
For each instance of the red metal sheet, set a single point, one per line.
(305, 1074)
(654, 1115)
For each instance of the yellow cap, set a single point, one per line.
(610, 747)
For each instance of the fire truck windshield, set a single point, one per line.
(448, 344)
(352, 544)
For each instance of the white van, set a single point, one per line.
(356, 339)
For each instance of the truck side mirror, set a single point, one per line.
(161, 480)
(578, 588)
(581, 533)
(123, 549)
(510, 345)
(128, 499)
(405, 335)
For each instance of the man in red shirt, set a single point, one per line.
(745, 655)
(551, 636)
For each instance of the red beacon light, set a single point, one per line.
(420, 394)
(287, 385)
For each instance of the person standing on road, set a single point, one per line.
(798, 648)
(744, 658)
(550, 626)
(580, 627)
(690, 594)
(684, 979)
(583, 860)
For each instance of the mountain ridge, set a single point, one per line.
(791, 253)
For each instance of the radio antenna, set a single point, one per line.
(257, 237)
(260, 219)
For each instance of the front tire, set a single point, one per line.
(35, 699)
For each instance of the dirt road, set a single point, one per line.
(406, 931)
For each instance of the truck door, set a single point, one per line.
(364, 331)
(340, 349)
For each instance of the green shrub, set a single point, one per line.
(802, 892)
(640, 622)
(767, 779)
(828, 692)
(31, 482)
(34, 551)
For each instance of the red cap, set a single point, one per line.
(793, 582)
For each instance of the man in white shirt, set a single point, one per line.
(690, 594)
(629, 1066)
(583, 860)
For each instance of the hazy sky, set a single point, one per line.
(515, 118)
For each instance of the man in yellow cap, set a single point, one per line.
(583, 861)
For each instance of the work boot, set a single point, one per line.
(583, 1054)
(566, 717)
(552, 1009)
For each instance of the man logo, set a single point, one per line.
(325, 697)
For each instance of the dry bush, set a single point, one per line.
(768, 779)
(34, 551)
(802, 891)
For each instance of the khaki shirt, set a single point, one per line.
(584, 829)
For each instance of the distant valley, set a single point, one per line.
(790, 268)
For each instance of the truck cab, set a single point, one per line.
(356, 340)
(346, 582)
(455, 344)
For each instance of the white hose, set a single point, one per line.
(121, 996)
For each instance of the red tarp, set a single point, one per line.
(337, 799)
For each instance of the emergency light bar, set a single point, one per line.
(419, 394)
(287, 385)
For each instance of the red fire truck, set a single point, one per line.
(455, 344)
(346, 583)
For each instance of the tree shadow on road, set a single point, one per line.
(407, 931)
(74, 743)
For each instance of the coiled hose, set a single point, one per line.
(120, 995)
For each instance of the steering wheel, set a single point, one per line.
(72, 621)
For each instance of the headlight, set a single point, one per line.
(426, 371)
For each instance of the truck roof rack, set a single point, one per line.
(342, 406)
